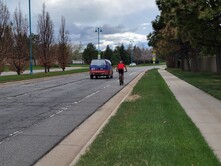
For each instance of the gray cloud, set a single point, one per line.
(120, 21)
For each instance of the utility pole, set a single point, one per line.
(98, 30)
(30, 39)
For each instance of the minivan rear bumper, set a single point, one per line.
(99, 72)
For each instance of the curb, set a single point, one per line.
(69, 151)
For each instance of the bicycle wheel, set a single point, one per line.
(120, 80)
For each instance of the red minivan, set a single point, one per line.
(101, 67)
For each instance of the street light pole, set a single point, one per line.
(98, 30)
(131, 53)
(30, 38)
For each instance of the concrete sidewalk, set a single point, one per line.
(203, 109)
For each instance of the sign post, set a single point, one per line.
(154, 56)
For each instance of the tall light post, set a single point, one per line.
(131, 53)
(98, 30)
(30, 38)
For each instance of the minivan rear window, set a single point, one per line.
(98, 62)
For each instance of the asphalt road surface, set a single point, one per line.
(36, 115)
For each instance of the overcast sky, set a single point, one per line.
(121, 21)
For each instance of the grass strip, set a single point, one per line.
(152, 130)
(4, 79)
(208, 82)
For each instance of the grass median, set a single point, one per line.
(208, 82)
(152, 129)
(11, 78)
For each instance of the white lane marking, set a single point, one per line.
(13, 133)
(80, 100)
(16, 133)
(9, 98)
(52, 115)
(106, 86)
(91, 95)
(132, 73)
(76, 102)
(60, 111)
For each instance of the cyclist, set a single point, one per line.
(120, 68)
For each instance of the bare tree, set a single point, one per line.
(5, 34)
(19, 58)
(137, 54)
(77, 51)
(63, 49)
(146, 55)
(46, 37)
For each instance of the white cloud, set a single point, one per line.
(120, 19)
(123, 38)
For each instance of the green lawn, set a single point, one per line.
(208, 82)
(4, 79)
(153, 130)
(78, 65)
(6, 68)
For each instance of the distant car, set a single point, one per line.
(133, 64)
(101, 67)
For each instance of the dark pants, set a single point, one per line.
(121, 71)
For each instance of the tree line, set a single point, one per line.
(128, 55)
(186, 30)
(15, 40)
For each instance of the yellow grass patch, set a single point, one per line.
(133, 98)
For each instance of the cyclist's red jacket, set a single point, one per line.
(120, 66)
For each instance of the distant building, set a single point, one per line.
(77, 62)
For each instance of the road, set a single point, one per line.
(36, 115)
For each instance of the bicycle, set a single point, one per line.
(121, 79)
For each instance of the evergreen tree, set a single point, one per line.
(186, 28)
(108, 53)
(90, 52)
(122, 54)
